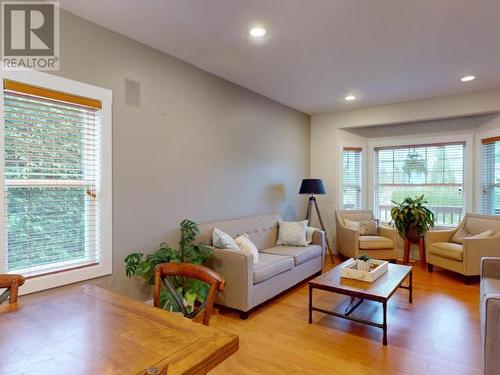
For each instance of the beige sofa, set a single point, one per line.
(490, 314)
(464, 259)
(350, 244)
(279, 267)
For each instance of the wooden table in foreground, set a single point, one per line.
(380, 291)
(94, 331)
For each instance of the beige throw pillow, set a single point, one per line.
(351, 224)
(365, 227)
(368, 228)
(292, 233)
(485, 234)
(246, 245)
(459, 236)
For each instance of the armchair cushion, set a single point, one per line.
(448, 250)
(300, 254)
(270, 265)
(375, 243)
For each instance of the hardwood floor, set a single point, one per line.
(438, 334)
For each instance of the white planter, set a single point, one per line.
(351, 271)
(362, 265)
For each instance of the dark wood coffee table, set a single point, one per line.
(379, 291)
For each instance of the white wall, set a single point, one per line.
(198, 147)
(467, 117)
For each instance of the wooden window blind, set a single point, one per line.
(434, 170)
(52, 180)
(351, 189)
(490, 182)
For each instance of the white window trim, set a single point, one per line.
(363, 164)
(468, 138)
(56, 83)
(478, 177)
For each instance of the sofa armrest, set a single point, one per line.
(491, 336)
(237, 269)
(319, 238)
(490, 267)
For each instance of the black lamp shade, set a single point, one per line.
(312, 186)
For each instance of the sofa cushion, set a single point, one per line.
(300, 254)
(448, 250)
(375, 242)
(270, 265)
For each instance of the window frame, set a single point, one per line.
(467, 138)
(361, 177)
(52, 82)
(479, 164)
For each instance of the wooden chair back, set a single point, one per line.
(214, 280)
(12, 284)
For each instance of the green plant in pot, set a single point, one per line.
(363, 262)
(192, 291)
(412, 218)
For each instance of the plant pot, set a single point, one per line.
(413, 236)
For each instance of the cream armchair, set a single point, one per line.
(351, 244)
(463, 258)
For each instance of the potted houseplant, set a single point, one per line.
(363, 263)
(192, 291)
(411, 218)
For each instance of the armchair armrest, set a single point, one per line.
(477, 248)
(237, 269)
(439, 236)
(490, 267)
(347, 241)
(319, 238)
(387, 232)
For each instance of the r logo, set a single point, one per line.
(30, 33)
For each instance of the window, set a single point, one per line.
(491, 176)
(435, 170)
(351, 189)
(54, 191)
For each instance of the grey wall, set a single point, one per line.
(198, 147)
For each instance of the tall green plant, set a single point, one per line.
(191, 290)
(411, 218)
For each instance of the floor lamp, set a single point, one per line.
(314, 186)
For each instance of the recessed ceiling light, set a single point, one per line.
(468, 78)
(350, 98)
(257, 32)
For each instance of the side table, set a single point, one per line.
(421, 248)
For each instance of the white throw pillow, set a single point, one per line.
(485, 234)
(246, 245)
(309, 234)
(223, 240)
(292, 233)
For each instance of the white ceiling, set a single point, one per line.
(317, 51)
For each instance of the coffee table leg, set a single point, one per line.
(384, 341)
(310, 303)
(411, 286)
